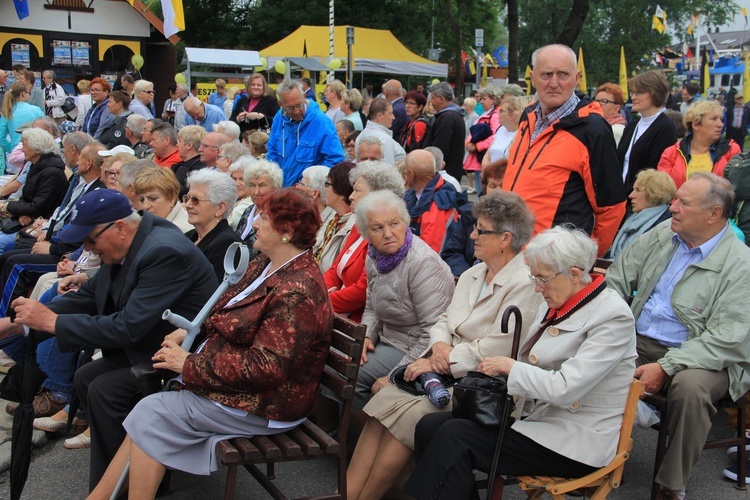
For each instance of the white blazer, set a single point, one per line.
(573, 382)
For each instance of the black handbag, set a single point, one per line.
(481, 398)
(148, 379)
(69, 105)
(10, 225)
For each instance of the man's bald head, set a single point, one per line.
(420, 168)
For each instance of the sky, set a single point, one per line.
(739, 21)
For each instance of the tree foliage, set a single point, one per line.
(610, 24)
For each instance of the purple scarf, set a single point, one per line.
(387, 263)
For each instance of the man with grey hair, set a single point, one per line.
(448, 131)
(394, 92)
(203, 114)
(378, 125)
(430, 200)
(440, 167)
(692, 277)
(128, 172)
(563, 162)
(182, 92)
(134, 126)
(301, 134)
(370, 149)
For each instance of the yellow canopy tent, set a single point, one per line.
(374, 51)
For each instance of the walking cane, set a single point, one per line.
(232, 275)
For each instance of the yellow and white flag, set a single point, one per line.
(623, 74)
(582, 70)
(174, 17)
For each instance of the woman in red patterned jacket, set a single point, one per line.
(257, 372)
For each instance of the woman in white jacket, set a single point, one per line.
(572, 379)
(54, 97)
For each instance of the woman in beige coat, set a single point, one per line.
(467, 332)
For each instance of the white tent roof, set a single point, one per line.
(222, 57)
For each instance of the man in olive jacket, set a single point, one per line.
(689, 279)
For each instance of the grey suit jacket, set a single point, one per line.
(162, 269)
(573, 382)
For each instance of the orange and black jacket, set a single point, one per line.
(570, 173)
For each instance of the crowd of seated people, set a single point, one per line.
(86, 216)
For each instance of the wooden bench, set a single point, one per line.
(307, 441)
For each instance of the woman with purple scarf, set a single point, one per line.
(408, 288)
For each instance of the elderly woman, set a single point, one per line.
(703, 149)
(415, 131)
(338, 189)
(111, 167)
(466, 332)
(229, 153)
(333, 94)
(313, 184)
(228, 128)
(256, 109)
(458, 250)
(478, 143)
(351, 101)
(346, 279)
(572, 378)
(98, 113)
(45, 183)
(143, 97)
(237, 171)
(208, 203)
(644, 141)
(261, 179)
(275, 323)
(54, 97)
(158, 193)
(16, 111)
(650, 199)
(408, 287)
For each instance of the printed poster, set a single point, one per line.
(19, 54)
(61, 53)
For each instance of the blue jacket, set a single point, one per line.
(213, 116)
(97, 115)
(22, 113)
(298, 145)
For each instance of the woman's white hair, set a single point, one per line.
(228, 128)
(269, 169)
(39, 140)
(318, 176)
(379, 202)
(379, 175)
(242, 163)
(563, 248)
(219, 187)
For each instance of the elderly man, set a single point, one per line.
(203, 114)
(164, 144)
(430, 200)
(301, 135)
(378, 125)
(370, 149)
(134, 128)
(611, 99)
(692, 276)
(189, 140)
(120, 308)
(182, 92)
(394, 92)
(736, 119)
(209, 148)
(448, 131)
(37, 95)
(563, 162)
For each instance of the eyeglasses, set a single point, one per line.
(605, 101)
(194, 200)
(300, 183)
(289, 109)
(113, 173)
(204, 146)
(482, 232)
(148, 91)
(638, 92)
(541, 282)
(328, 184)
(91, 240)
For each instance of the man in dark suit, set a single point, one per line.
(737, 119)
(394, 92)
(147, 266)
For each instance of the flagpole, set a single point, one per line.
(331, 74)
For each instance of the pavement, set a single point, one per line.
(61, 474)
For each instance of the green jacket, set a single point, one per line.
(710, 299)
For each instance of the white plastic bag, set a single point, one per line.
(646, 415)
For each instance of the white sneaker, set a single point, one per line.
(77, 443)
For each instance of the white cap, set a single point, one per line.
(117, 149)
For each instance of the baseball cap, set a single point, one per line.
(117, 149)
(94, 208)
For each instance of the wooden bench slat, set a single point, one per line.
(226, 453)
(248, 451)
(329, 445)
(308, 444)
(289, 448)
(269, 450)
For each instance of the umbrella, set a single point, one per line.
(23, 421)
(83, 358)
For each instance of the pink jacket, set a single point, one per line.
(491, 117)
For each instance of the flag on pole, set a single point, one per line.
(659, 20)
(623, 74)
(582, 70)
(657, 24)
(743, 10)
(746, 79)
(174, 17)
(691, 26)
(527, 79)
(705, 76)
(22, 8)
(686, 52)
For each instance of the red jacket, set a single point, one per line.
(351, 295)
(431, 225)
(265, 354)
(570, 173)
(675, 158)
(169, 160)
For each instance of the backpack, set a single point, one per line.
(409, 141)
(737, 172)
